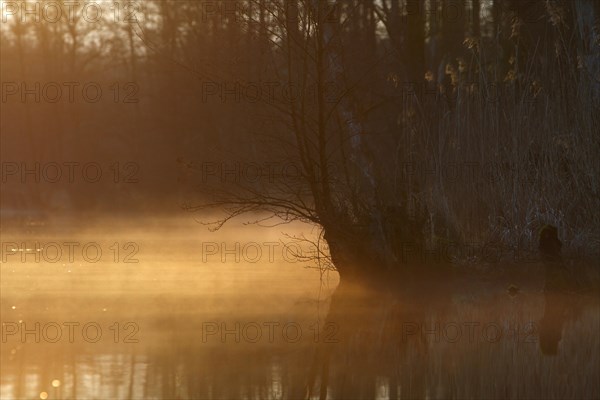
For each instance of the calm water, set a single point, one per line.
(182, 323)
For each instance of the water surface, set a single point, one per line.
(182, 323)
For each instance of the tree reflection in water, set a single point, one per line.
(434, 339)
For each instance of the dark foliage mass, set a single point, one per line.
(388, 123)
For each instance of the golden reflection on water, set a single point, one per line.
(176, 326)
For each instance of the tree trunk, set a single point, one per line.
(346, 238)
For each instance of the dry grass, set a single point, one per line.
(528, 146)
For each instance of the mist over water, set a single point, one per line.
(299, 199)
(160, 298)
(179, 323)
